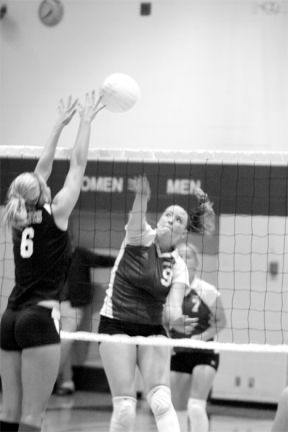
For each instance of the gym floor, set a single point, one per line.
(91, 411)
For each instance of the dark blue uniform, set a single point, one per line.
(141, 280)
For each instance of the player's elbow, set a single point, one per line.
(221, 323)
(78, 160)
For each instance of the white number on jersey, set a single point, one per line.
(195, 303)
(166, 278)
(26, 247)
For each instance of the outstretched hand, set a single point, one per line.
(200, 194)
(91, 107)
(140, 185)
(67, 110)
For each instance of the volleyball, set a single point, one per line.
(119, 92)
(50, 12)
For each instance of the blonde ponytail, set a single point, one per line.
(15, 212)
(22, 196)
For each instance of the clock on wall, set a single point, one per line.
(51, 12)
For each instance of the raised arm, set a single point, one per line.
(137, 217)
(67, 197)
(93, 259)
(66, 111)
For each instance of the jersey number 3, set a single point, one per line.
(26, 247)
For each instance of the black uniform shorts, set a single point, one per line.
(30, 327)
(114, 326)
(185, 361)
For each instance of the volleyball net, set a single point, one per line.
(245, 258)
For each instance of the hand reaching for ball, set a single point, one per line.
(90, 108)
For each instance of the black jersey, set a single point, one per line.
(41, 254)
(79, 288)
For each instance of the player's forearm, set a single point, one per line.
(140, 204)
(208, 334)
(137, 215)
(171, 315)
(45, 163)
(95, 260)
(211, 331)
(80, 149)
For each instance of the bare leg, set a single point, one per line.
(39, 371)
(70, 320)
(180, 390)
(154, 364)
(202, 381)
(119, 362)
(116, 358)
(281, 419)
(11, 385)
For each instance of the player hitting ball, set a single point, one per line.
(30, 339)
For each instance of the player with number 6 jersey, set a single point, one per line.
(30, 325)
(42, 255)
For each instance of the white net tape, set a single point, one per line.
(162, 156)
(164, 341)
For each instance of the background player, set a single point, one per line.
(193, 371)
(77, 295)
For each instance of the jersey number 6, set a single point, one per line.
(26, 247)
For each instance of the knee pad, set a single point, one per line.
(124, 412)
(196, 405)
(197, 415)
(159, 399)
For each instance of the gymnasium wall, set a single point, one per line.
(212, 72)
(213, 77)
